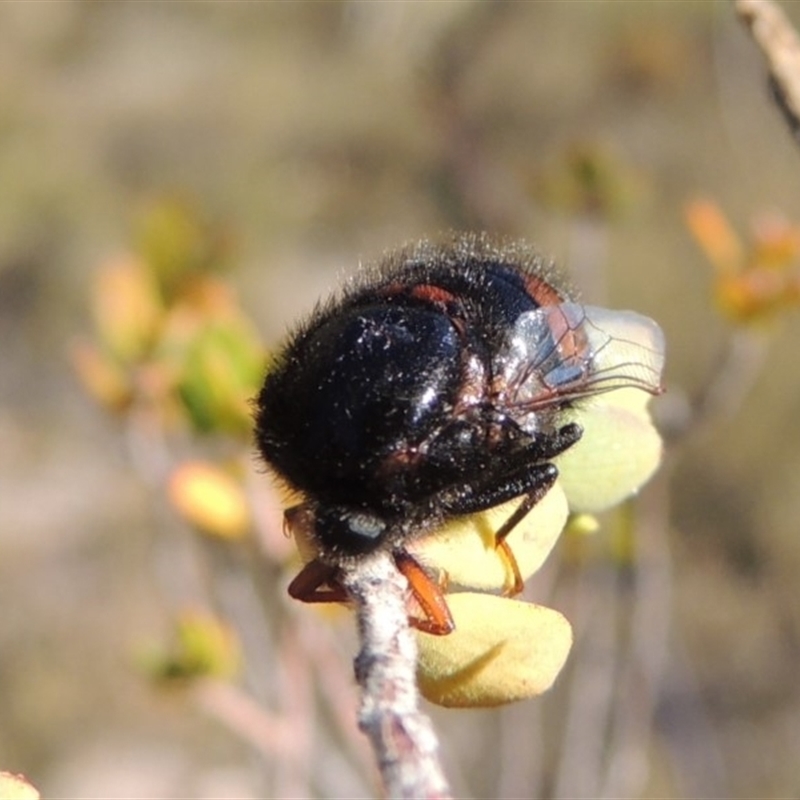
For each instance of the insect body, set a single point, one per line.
(433, 387)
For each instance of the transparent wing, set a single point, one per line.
(568, 351)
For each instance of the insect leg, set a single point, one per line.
(428, 595)
(306, 585)
(534, 495)
(533, 481)
(554, 444)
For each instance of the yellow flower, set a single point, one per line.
(502, 650)
(209, 499)
(201, 646)
(464, 549)
(618, 453)
(755, 279)
(15, 787)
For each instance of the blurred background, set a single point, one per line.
(296, 140)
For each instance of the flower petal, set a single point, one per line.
(619, 451)
(502, 650)
(465, 548)
(15, 787)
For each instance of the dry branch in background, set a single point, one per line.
(780, 44)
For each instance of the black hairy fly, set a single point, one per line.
(435, 386)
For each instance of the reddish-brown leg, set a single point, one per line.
(511, 561)
(438, 620)
(307, 584)
(528, 502)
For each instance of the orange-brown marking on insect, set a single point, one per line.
(572, 342)
(542, 292)
(433, 294)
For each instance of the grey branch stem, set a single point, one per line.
(402, 736)
(774, 34)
